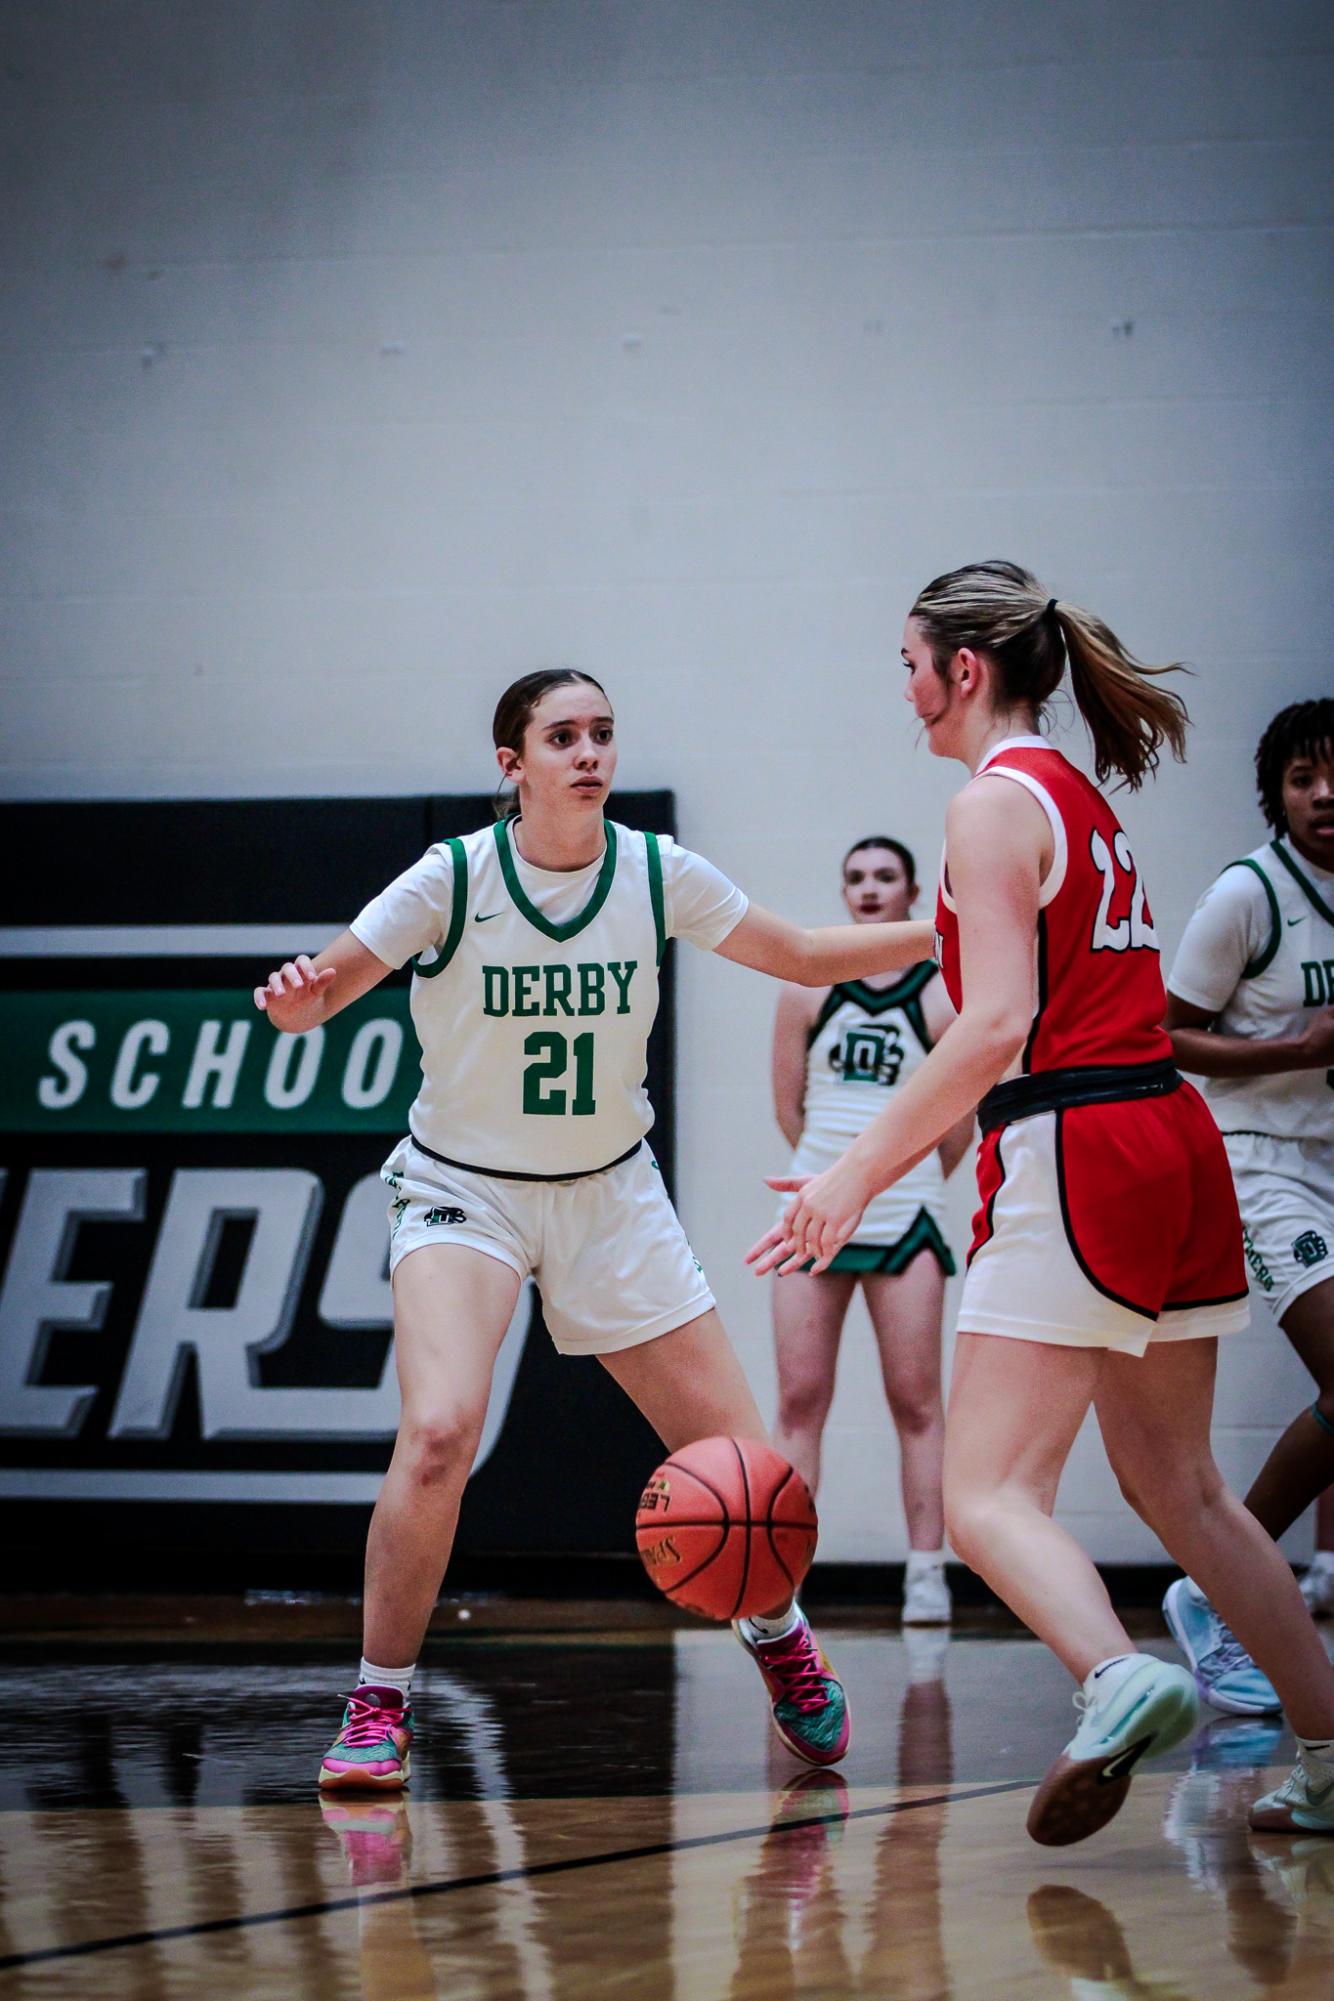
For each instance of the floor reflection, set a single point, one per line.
(1274, 1894)
(612, 1819)
(1078, 1937)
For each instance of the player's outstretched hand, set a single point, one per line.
(293, 997)
(815, 1227)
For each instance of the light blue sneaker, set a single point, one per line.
(1224, 1672)
(1149, 1710)
(1303, 1804)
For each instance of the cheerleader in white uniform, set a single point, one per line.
(837, 1054)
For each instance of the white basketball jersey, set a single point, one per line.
(1291, 976)
(862, 1044)
(534, 1034)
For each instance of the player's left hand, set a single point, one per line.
(816, 1226)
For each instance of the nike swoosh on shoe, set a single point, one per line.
(1121, 1766)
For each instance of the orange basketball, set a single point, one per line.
(726, 1528)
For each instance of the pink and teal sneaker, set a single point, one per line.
(371, 1751)
(810, 1708)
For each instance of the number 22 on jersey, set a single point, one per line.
(1134, 931)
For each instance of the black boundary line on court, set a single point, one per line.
(494, 1877)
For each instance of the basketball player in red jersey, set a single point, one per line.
(1107, 1254)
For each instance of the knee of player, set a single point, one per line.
(1165, 1487)
(439, 1440)
(970, 1515)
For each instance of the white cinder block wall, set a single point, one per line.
(360, 356)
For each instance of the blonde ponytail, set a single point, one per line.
(1128, 717)
(1000, 609)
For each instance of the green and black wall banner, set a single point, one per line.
(195, 1338)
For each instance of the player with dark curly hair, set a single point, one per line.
(1305, 730)
(1251, 1009)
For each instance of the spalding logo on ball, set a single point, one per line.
(726, 1528)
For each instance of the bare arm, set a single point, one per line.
(792, 1021)
(996, 835)
(305, 993)
(1199, 1048)
(956, 1144)
(820, 958)
(999, 844)
(939, 1013)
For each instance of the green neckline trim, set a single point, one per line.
(1308, 889)
(905, 993)
(876, 999)
(653, 854)
(1258, 965)
(458, 911)
(560, 932)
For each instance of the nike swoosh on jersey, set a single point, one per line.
(479, 919)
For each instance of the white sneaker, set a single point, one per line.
(1147, 1712)
(926, 1595)
(1303, 1804)
(1317, 1587)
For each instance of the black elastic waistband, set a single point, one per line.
(1057, 1090)
(509, 1174)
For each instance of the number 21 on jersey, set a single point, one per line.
(1134, 931)
(541, 1099)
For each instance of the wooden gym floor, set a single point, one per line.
(603, 1812)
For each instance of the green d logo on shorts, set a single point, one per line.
(1310, 1248)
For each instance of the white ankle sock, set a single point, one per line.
(1318, 1747)
(1109, 1674)
(925, 1559)
(773, 1629)
(382, 1677)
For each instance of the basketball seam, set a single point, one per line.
(707, 1485)
(691, 1575)
(706, 1522)
(745, 1561)
(769, 1527)
(725, 1526)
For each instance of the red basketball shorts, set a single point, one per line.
(1107, 1226)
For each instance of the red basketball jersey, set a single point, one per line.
(1100, 997)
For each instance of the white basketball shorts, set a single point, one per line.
(1285, 1191)
(607, 1251)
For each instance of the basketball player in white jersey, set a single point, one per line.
(535, 946)
(1249, 1009)
(837, 1052)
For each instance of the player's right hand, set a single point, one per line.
(293, 997)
